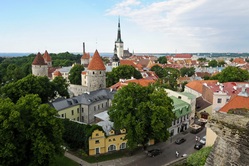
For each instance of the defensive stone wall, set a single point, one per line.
(231, 147)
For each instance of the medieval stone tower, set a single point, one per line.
(39, 67)
(119, 43)
(85, 59)
(95, 76)
(47, 59)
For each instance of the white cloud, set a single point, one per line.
(196, 25)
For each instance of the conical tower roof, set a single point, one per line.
(85, 56)
(96, 63)
(47, 57)
(39, 60)
(115, 56)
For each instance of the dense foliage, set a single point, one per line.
(31, 84)
(145, 112)
(75, 74)
(199, 158)
(162, 60)
(187, 71)
(29, 132)
(121, 72)
(232, 74)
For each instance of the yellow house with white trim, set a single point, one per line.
(99, 143)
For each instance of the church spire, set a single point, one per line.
(119, 40)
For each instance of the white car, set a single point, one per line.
(203, 140)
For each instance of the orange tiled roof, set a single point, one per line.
(83, 72)
(38, 60)
(236, 102)
(130, 63)
(96, 63)
(142, 82)
(239, 61)
(47, 57)
(85, 56)
(197, 84)
(57, 73)
(183, 56)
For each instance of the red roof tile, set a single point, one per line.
(85, 56)
(142, 82)
(47, 57)
(183, 56)
(96, 63)
(39, 60)
(130, 63)
(236, 102)
(197, 84)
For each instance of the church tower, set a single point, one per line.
(115, 59)
(95, 74)
(47, 59)
(85, 57)
(119, 43)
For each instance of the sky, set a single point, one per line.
(147, 26)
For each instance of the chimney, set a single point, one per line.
(84, 48)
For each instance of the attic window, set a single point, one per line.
(69, 102)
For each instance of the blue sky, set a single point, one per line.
(158, 26)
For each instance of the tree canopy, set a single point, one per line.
(232, 74)
(75, 74)
(187, 71)
(213, 63)
(162, 60)
(145, 112)
(35, 85)
(29, 132)
(121, 72)
(199, 158)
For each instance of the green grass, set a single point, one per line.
(64, 161)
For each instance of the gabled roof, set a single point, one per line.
(39, 60)
(239, 61)
(183, 56)
(131, 63)
(85, 56)
(47, 57)
(197, 84)
(96, 63)
(57, 73)
(236, 102)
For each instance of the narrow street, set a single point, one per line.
(168, 150)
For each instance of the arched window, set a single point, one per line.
(100, 72)
(122, 146)
(93, 72)
(111, 148)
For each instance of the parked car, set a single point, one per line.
(203, 140)
(198, 146)
(154, 152)
(180, 140)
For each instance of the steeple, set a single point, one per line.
(119, 40)
(115, 56)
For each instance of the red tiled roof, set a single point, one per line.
(197, 84)
(239, 61)
(47, 57)
(236, 102)
(57, 73)
(96, 63)
(183, 56)
(130, 63)
(85, 56)
(39, 60)
(142, 82)
(83, 72)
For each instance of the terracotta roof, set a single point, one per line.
(183, 56)
(85, 56)
(131, 63)
(57, 73)
(236, 102)
(96, 63)
(197, 84)
(39, 60)
(47, 57)
(142, 82)
(83, 72)
(239, 61)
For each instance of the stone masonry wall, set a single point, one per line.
(231, 147)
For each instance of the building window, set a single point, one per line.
(113, 139)
(72, 112)
(97, 134)
(219, 100)
(82, 118)
(98, 107)
(110, 140)
(102, 105)
(62, 115)
(97, 142)
(94, 108)
(121, 138)
(82, 109)
(78, 118)
(65, 115)
(78, 110)
(111, 148)
(122, 146)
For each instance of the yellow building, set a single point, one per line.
(100, 143)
